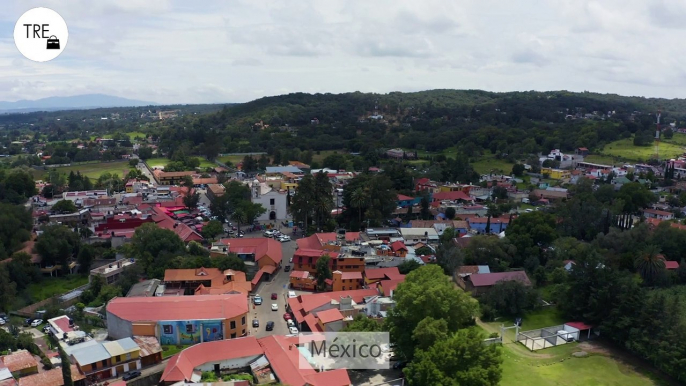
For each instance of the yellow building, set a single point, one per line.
(556, 174)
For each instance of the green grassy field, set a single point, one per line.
(556, 366)
(171, 350)
(602, 159)
(678, 139)
(95, 170)
(51, 286)
(164, 161)
(488, 163)
(323, 154)
(625, 148)
(232, 159)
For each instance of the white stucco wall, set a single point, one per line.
(279, 204)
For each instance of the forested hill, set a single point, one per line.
(471, 120)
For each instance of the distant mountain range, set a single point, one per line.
(87, 101)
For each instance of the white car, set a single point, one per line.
(36, 322)
(291, 294)
(284, 238)
(293, 330)
(290, 260)
(275, 307)
(2, 322)
(290, 323)
(269, 233)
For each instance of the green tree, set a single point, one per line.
(518, 170)
(64, 206)
(22, 271)
(57, 244)
(508, 298)
(8, 289)
(636, 196)
(450, 213)
(651, 265)
(362, 323)
(529, 233)
(85, 258)
(303, 199)
(323, 272)
(154, 247)
(212, 229)
(360, 200)
(461, 359)
(251, 210)
(427, 292)
(429, 331)
(229, 261)
(408, 266)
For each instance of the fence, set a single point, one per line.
(30, 310)
(542, 338)
(490, 341)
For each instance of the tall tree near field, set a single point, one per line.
(359, 200)
(303, 199)
(323, 272)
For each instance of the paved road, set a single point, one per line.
(279, 286)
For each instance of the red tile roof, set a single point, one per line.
(579, 325)
(330, 315)
(390, 273)
(50, 378)
(657, 212)
(352, 236)
(259, 246)
(283, 356)
(19, 360)
(388, 286)
(489, 279)
(307, 252)
(453, 196)
(317, 240)
(62, 323)
(303, 304)
(180, 366)
(351, 275)
(671, 264)
(398, 246)
(179, 307)
(193, 274)
(402, 197)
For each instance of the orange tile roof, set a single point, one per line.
(158, 308)
(51, 378)
(330, 315)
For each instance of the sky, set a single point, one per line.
(180, 51)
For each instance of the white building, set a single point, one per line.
(271, 199)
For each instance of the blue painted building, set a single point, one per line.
(497, 224)
(405, 201)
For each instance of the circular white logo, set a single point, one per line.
(41, 34)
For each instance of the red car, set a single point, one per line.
(286, 316)
(274, 296)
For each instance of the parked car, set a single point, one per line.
(569, 337)
(255, 323)
(399, 365)
(36, 322)
(290, 260)
(275, 307)
(293, 330)
(257, 300)
(287, 268)
(2, 322)
(286, 316)
(270, 326)
(268, 233)
(284, 238)
(27, 322)
(274, 296)
(291, 294)
(131, 375)
(290, 323)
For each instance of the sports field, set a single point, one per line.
(162, 162)
(95, 170)
(556, 365)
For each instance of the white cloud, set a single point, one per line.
(174, 51)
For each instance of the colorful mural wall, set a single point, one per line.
(189, 331)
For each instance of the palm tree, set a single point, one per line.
(650, 264)
(359, 199)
